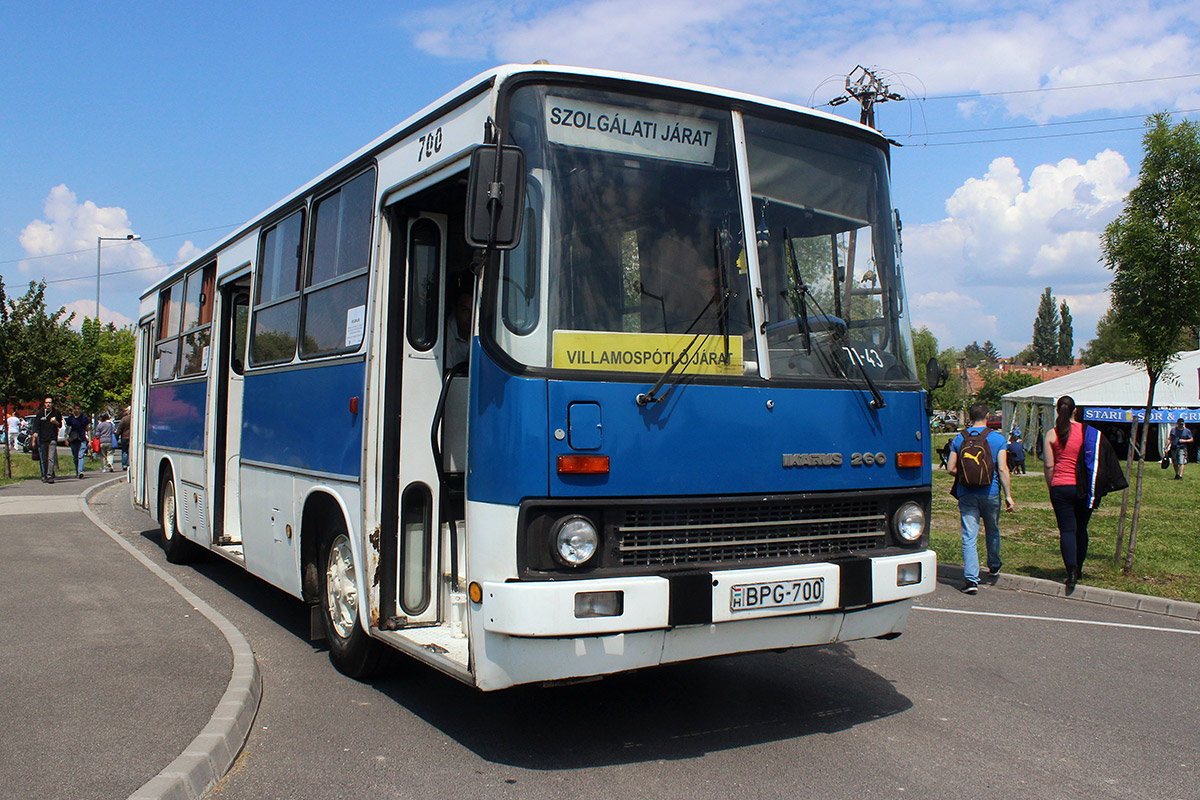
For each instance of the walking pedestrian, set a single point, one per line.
(77, 437)
(979, 464)
(123, 435)
(1179, 438)
(1016, 454)
(1061, 457)
(45, 438)
(104, 432)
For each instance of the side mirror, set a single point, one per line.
(496, 197)
(934, 377)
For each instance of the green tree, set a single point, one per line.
(37, 350)
(997, 384)
(925, 347)
(1111, 344)
(1045, 331)
(116, 348)
(1066, 336)
(87, 384)
(990, 354)
(1153, 249)
(974, 354)
(949, 397)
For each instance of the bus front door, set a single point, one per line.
(412, 593)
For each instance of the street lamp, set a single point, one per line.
(129, 238)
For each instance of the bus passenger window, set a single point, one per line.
(166, 347)
(416, 517)
(335, 291)
(273, 338)
(197, 321)
(424, 283)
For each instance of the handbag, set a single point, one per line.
(116, 440)
(1166, 462)
(95, 444)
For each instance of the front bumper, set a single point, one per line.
(548, 608)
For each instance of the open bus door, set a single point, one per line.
(137, 419)
(411, 546)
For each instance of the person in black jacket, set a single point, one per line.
(45, 438)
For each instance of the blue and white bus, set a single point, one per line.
(571, 373)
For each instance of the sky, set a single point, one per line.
(1021, 123)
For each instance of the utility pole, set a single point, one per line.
(867, 88)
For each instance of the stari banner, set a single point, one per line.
(1157, 415)
(631, 131)
(703, 354)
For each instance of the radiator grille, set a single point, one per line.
(715, 534)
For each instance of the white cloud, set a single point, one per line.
(1004, 240)
(783, 48)
(187, 252)
(1002, 231)
(62, 249)
(87, 308)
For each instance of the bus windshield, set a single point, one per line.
(634, 257)
(826, 251)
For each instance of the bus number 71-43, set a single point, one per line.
(429, 144)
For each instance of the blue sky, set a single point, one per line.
(179, 121)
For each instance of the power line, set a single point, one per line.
(117, 272)
(1061, 88)
(91, 250)
(1039, 125)
(1024, 138)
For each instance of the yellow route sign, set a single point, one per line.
(647, 352)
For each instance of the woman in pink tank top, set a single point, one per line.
(1061, 454)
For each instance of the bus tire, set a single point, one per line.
(177, 549)
(353, 652)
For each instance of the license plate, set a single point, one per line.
(804, 591)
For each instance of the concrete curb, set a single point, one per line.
(1087, 594)
(210, 755)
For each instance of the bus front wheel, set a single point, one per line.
(176, 548)
(351, 650)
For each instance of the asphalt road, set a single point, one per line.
(1000, 695)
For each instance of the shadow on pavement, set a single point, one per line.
(678, 711)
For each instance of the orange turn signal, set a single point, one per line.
(475, 592)
(909, 459)
(582, 465)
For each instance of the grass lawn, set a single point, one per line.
(1167, 558)
(25, 468)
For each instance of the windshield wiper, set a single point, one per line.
(722, 295)
(798, 279)
(877, 400)
(652, 396)
(721, 281)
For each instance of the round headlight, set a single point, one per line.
(575, 541)
(909, 522)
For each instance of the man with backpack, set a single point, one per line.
(979, 464)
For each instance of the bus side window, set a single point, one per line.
(241, 321)
(166, 346)
(277, 310)
(424, 283)
(335, 289)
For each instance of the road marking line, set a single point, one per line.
(1058, 619)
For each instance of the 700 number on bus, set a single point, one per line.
(779, 593)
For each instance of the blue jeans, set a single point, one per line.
(972, 508)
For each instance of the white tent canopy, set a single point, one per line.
(1120, 385)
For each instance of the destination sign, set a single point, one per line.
(647, 352)
(633, 131)
(1157, 415)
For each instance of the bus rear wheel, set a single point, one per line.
(177, 549)
(352, 651)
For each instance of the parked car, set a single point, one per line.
(994, 421)
(945, 421)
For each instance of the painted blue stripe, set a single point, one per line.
(300, 418)
(702, 440)
(175, 415)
